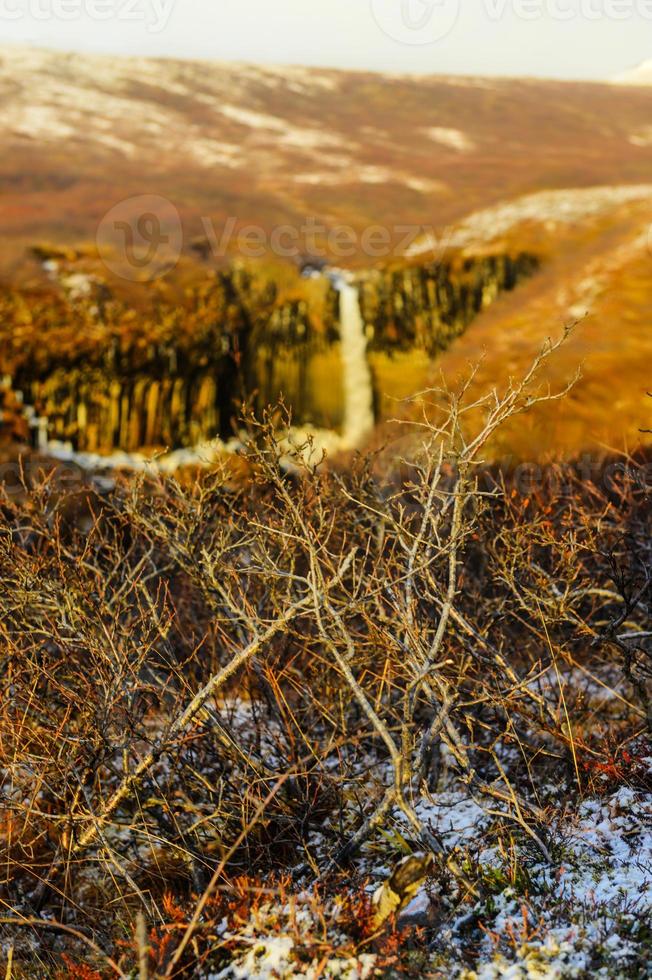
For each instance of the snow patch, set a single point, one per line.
(36, 121)
(641, 75)
(454, 139)
(564, 206)
(642, 138)
(291, 135)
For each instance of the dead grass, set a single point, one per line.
(210, 688)
(525, 135)
(599, 277)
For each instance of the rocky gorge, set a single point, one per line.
(108, 375)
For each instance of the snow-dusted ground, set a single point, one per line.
(57, 97)
(562, 206)
(454, 139)
(306, 443)
(584, 913)
(272, 956)
(642, 137)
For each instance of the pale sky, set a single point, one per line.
(550, 38)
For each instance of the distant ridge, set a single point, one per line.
(641, 75)
(273, 146)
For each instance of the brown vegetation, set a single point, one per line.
(375, 158)
(218, 696)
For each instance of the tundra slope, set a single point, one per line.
(272, 145)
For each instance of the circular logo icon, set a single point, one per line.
(141, 238)
(416, 21)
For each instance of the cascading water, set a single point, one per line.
(358, 415)
(358, 387)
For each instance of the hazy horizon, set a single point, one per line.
(563, 39)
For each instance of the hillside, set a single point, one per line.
(304, 671)
(476, 184)
(595, 248)
(270, 146)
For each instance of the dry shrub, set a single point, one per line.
(205, 678)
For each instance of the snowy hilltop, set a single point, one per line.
(641, 75)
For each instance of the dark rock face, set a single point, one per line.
(108, 376)
(427, 306)
(174, 376)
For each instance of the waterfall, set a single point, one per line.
(357, 424)
(358, 388)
